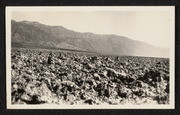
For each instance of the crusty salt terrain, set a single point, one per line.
(66, 77)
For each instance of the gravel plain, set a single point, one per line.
(67, 77)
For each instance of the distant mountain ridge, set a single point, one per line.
(37, 35)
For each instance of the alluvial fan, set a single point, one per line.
(62, 77)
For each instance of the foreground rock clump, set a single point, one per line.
(59, 77)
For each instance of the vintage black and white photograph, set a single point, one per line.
(90, 57)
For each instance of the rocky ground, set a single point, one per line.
(62, 77)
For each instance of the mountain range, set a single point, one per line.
(31, 34)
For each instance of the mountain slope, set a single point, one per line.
(34, 34)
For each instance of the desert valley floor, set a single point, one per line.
(67, 77)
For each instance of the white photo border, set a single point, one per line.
(10, 9)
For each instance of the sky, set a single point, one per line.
(152, 27)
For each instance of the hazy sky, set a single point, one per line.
(148, 26)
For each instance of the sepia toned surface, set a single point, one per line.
(54, 65)
(81, 78)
